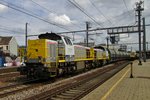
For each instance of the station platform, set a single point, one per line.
(122, 87)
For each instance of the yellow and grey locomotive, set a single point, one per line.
(54, 54)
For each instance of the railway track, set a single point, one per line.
(8, 69)
(15, 88)
(80, 86)
(9, 73)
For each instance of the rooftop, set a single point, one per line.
(5, 40)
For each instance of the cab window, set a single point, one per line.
(68, 42)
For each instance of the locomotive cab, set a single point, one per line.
(66, 52)
(65, 46)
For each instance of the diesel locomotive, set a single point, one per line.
(51, 55)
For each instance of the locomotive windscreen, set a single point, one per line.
(51, 36)
(100, 47)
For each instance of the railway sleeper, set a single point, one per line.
(55, 98)
(74, 91)
(64, 97)
(81, 88)
(67, 95)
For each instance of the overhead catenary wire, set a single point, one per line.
(41, 6)
(101, 12)
(118, 18)
(16, 21)
(34, 16)
(52, 12)
(131, 24)
(91, 30)
(9, 29)
(83, 11)
(127, 8)
(13, 31)
(7, 33)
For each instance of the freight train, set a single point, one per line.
(52, 55)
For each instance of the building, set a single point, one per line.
(9, 45)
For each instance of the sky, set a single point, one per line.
(62, 16)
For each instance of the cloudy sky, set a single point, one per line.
(69, 15)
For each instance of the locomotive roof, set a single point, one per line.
(51, 36)
(100, 47)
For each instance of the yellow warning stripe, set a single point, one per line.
(111, 89)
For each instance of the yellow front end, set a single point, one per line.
(42, 58)
(37, 51)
